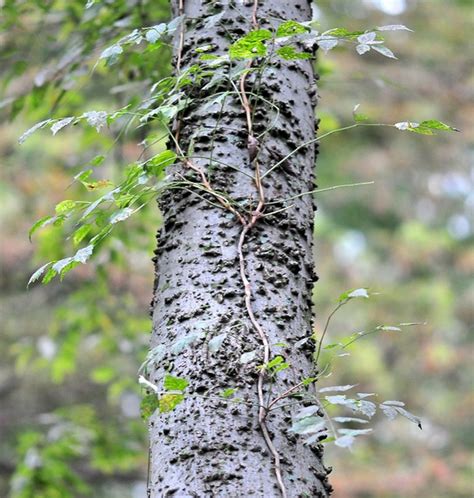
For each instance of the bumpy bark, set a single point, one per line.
(209, 446)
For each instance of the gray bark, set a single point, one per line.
(209, 446)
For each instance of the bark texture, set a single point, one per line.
(209, 446)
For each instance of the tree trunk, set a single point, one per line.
(209, 445)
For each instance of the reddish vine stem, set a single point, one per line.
(252, 145)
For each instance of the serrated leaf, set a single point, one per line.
(97, 119)
(248, 357)
(34, 128)
(121, 215)
(289, 53)
(394, 27)
(276, 361)
(59, 125)
(307, 411)
(337, 388)
(394, 403)
(42, 222)
(58, 266)
(169, 402)
(172, 383)
(156, 165)
(216, 342)
(80, 233)
(149, 404)
(362, 292)
(50, 274)
(290, 28)
(65, 206)
(37, 274)
(327, 44)
(308, 425)
(362, 49)
(111, 53)
(384, 51)
(154, 33)
(251, 45)
(344, 420)
(367, 38)
(82, 255)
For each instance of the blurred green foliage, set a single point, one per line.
(70, 422)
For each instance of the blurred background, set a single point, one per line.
(69, 401)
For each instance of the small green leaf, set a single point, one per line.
(149, 404)
(289, 53)
(227, 393)
(80, 233)
(290, 28)
(46, 220)
(50, 274)
(82, 255)
(156, 165)
(97, 160)
(121, 215)
(154, 33)
(172, 383)
(169, 402)
(60, 124)
(251, 45)
(34, 128)
(65, 206)
(37, 274)
(308, 425)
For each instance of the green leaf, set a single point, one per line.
(227, 393)
(154, 33)
(337, 388)
(121, 215)
(156, 165)
(354, 293)
(289, 53)
(37, 274)
(111, 54)
(251, 45)
(65, 206)
(174, 383)
(46, 220)
(169, 402)
(97, 160)
(80, 233)
(276, 361)
(60, 124)
(290, 28)
(82, 255)
(149, 404)
(50, 274)
(358, 117)
(433, 124)
(308, 425)
(394, 27)
(34, 128)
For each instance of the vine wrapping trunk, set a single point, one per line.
(211, 445)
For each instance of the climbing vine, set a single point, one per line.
(92, 222)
